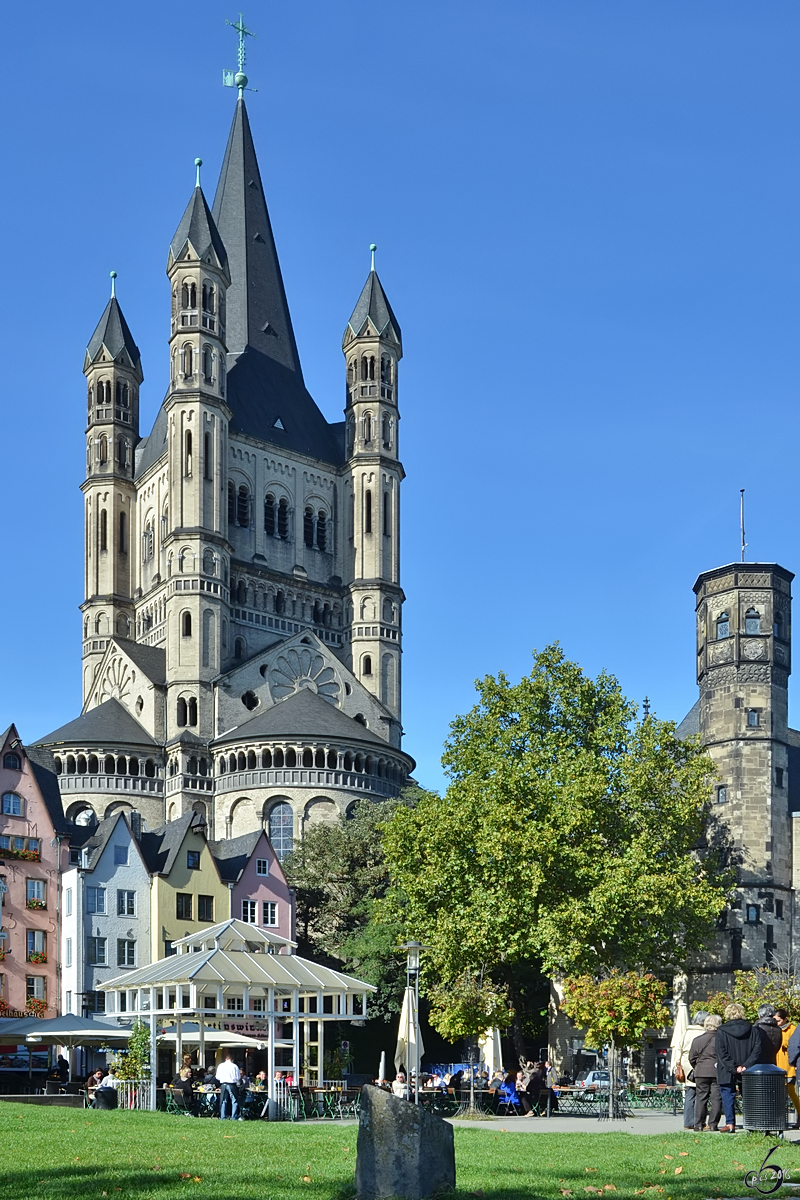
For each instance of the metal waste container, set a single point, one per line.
(764, 1098)
(106, 1097)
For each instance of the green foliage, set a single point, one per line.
(134, 1062)
(339, 873)
(570, 834)
(474, 1005)
(767, 985)
(617, 1009)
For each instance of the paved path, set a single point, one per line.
(644, 1121)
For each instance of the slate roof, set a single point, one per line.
(233, 854)
(107, 724)
(47, 781)
(112, 332)
(160, 847)
(100, 834)
(691, 722)
(151, 660)
(372, 304)
(256, 297)
(197, 226)
(151, 448)
(304, 714)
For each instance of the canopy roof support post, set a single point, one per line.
(153, 1051)
(271, 1052)
(296, 1036)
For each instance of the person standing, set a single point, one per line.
(771, 1035)
(229, 1076)
(703, 1061)
(695, 1030)
(788, 1056)
(739, 1046)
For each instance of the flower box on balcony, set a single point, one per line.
(36, 904)
(26, 855)
(37, 1007)
(2, 957)
(37, 956)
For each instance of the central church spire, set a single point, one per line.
(258, 314)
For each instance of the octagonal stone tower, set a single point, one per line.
(743, 666)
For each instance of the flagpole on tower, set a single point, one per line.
(741, 520)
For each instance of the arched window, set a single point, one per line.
(103, 449)
(238, 649)
(777, 625)
(187, 361)
(351, 435)
(283, 519)
(12, 762)
(208, 364)
(192, 295)
(241, 592)
(280, 828)
(372, 366)
(269, 515)
(366, 665)
(387, 513)
(103, 529)
(280, 603)
(185, 295)
(752, 621)
(187, 461)
(322, 530)
(243, 507)
(192, 714)
(387, 431)
(367, 427)
(317, 614)
(186, 624)
(181, 715)
(363, 367)
(208, 464)
(231, 503)
(368, 512)
(123, 533)
(308, 527)
(208, 297)
(723, 625)
(384, 364)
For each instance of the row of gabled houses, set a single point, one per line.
(80, 904)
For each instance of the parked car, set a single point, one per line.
(593, 1079)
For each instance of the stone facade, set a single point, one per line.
(242, 560)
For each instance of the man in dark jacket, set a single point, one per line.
(703, 1061)
(739, 1046)
(770, 1030)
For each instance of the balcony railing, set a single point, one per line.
(110, 783)
(306, 777)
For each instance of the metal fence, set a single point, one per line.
(133, 1093)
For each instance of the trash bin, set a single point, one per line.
(106, 1097)
(764, 1098)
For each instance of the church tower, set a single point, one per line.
(372, 346)
(743, 666)
(195, 534)
(113, 370)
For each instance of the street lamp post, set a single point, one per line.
(413, 950)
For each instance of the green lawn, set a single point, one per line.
(56, 1152)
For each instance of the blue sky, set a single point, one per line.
(587, 221)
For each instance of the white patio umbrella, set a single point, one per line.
(406, 1049)
(382, 1067)
(489, 1043)
(678, 1033)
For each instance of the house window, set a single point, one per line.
(779, 910)
(235, 1004)
(269, 913)
(205, 909)
(281, 828)
(68, 901)
(126, 904)
(723, 625)
(722, 794)
(183, 906)
(68, 1002)
(193, 860)
(249, 911)
(753, 718)
(11, 762)
(262, 866)
(34, 844)
(94, 1002)
(120, 856)
(12, 805)
(126, 953)
(35, 987)
(96, 952)
(68, 952)
(74, 858)
(36, 941)
(96, 899)
(752, 621)
(34, 890)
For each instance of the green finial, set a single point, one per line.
(198, 162)
(113, 284)
(238, 79)
(372, 250)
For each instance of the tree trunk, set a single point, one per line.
(517, 1036)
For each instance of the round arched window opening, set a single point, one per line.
(250, 700)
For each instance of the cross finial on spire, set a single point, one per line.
(239, 79)
(372, 250)
(113, 284)
(646, 706)
(198, 162)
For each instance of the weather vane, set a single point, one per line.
(238, 79)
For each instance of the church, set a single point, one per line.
(242, 629)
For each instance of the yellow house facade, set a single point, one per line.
(186, 891)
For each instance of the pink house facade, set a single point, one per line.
(260, 894)
(33, 854)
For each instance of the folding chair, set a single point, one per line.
(297, 1104)
(176, 1103)
(509, 1104)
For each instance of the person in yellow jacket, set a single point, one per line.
(782, 1057)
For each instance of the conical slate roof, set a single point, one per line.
(112, 332)
(373, 305)
(304, 714)
(108, 724)
(197, 227)
(258, 315)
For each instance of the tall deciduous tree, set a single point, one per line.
(571, 834)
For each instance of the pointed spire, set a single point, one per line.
(112, 332)
(258, 315)
(198, 228)
(372, 305)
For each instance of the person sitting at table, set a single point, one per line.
(210, 1082)
(399, 1085)
(259, 1084)
(182, 1083)
(95, 1079)
(109, 1080)
(525, 1099)
(508, 1093)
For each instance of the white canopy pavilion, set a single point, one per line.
(234, 972)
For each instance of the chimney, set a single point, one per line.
(136, 824)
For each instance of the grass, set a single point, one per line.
(71, 1153)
